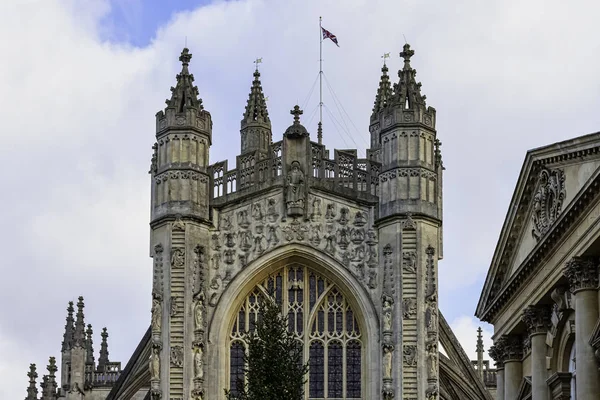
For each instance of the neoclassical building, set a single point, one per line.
(541, 292)
(349, 246)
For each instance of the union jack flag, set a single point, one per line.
(329, 35)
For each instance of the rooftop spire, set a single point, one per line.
(103, 359)
(184, 94)
(256, 108)
(79, 335)
(32, 391)
(384, 92)
(68, 336)
(407, 93)
(89, 345)
(480, 351)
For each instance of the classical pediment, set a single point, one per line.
(555, 185)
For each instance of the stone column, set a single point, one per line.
(537, 319)
(513, 367)
(496, 352)
(582, 273)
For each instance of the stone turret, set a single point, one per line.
(32, 391)
(255, 130)
(67, 344)
(403, 139)
(180, 224)
(181, 153)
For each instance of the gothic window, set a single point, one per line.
(323, 322)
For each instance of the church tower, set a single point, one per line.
(179, 231)
(404, 140)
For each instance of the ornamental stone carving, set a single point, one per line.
(177, 356)
(582, 273)
(199, 308)
(409, 353)
(199, 363)
(295, 191)
(513, 347)
(409, 308)
(409, 261)
(177, 257)
(497, 354)
(154, 363)
(537, 319)
(547, 201)
(156, 315)
(387, 304)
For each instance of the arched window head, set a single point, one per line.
(324, 323)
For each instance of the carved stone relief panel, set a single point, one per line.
(547, 201)
(246, 233)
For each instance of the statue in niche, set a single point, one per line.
(199, 311)
(154, 363)
(409, 308)
(431, 316)
(344, 216)
(330, 213)
(199, 364)
(315, 237)
(272, 237)
(272, 210)
(156, 315)
(226, 222)
(295, 192)
(410, 355)
(360, 219)
(257, 213)
(432, 355)
(372, 279)
(177, 257)
(387, 361)
(409, 261)
(216, 245)
(316, 210)
(387, 303)
(242, 219)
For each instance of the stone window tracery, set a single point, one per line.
(323, 322)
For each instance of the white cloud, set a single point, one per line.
(78, 124)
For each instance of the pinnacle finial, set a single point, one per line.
(479, 340)
(103, 359)
(256, 62)
(385, 56)
(79, 335)
(296, 112)
(32, 391)
(89, 346)
(68, 335)
(407, 53)
(49, 385)
(52, 367)
(185, 57)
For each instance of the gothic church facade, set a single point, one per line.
(349, 246)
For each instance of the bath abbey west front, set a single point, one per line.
(349, 246)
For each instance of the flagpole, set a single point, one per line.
(320, 128)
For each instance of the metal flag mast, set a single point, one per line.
(320, 128)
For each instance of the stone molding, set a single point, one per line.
(537, 318)
(582, 273)
(560, 385)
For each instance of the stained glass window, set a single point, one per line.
(324, 324)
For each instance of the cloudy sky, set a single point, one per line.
(81, 80)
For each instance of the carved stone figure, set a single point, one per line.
(177, 257)
(409, 261)
(547, 201)
(173, 306)
(315, 237)
(216, 244)
(154, 363)
(245, 240)
(295, 191)
(229, 256)
(330, 213)
(344, 216)
(409, 308)
(372, 279)
(316, 210)
(199, 364)
(242, 219)
(330, 240)
(432, 392)
(360, 219)
(156, 315)
(257, 213)
(387, 361)
(199, 311)
(272, 237)
(410, 355)
(387, 303)
(226, 222)
(272, 210)
(177, 356)
(431, 316)
(432, 359)
(229, 239)
(357, 235)
(343, 241)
